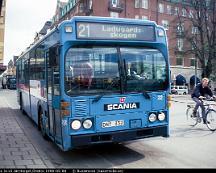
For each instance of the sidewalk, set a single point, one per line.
(16, 150)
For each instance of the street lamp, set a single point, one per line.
(195, 79)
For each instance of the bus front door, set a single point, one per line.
(53, 100)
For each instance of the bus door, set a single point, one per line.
(53, 94)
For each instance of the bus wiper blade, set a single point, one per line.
(146, 95)
(97, 98)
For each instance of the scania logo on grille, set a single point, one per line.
(122, 99)
(121, 106)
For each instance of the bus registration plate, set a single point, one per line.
(106, 124)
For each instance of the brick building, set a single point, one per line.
(2, 30)
(163, 12)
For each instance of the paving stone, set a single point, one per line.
(38, 161)
(13, 157)
(23, 162)
(6, 162)
(16, 150)
(19, 153)
(31, 157)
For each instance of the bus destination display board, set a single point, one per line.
(99, 31)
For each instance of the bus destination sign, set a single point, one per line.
(109, 31)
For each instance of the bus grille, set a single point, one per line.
(81, 108)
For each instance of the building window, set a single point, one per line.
(169, 9)
(145, 17)
(114, 3)
(191, 15)
(145, 4)
(180, 27)
(1, 20)
(90, 4)
(141, 4)
(165, 24)
(137, 3)
(179, 61)
(193, 44)
(136, 16)
(194, 30)
(2, 13)
(180, 44)
(207, 16)
(81, 7)
(192, 62)
(114, 14)
(161, 8)
(176, 11)
(184, 12)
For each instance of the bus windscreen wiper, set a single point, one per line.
(146, 95)
(97, 98)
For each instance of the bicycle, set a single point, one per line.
(209, 111)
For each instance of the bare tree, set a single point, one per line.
(197, 22)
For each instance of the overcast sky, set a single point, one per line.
(23, 19)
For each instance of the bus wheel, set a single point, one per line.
(41, 125)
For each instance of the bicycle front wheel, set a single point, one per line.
(211, 119)
(190, 118)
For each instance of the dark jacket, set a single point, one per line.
(200, 91)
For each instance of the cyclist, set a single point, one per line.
(198, 94)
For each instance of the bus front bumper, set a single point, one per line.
(119, 136)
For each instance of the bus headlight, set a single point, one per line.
(161, 116)
(152, 117)
(87, 124)
(76, 124)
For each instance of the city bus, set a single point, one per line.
(94, 80)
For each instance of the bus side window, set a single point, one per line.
(54, 56)
(54, 64)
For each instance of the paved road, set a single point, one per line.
(21, 144)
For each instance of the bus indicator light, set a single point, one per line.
(65, 112)
(68, 29)
(65, 105)
(161, 33)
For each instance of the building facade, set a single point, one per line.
(164, 12)
(2, 31)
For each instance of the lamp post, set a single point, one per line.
(195, 79)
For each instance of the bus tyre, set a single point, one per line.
(41, 125)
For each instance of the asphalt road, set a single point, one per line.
(187, 147)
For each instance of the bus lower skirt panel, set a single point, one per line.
(119, 136)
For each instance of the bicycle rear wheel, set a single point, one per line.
(211, 119)
(190, 118)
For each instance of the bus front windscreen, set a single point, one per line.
(146, 69)
(92, 71)
(106, 70)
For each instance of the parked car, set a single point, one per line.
(11, 83)
(183, 90)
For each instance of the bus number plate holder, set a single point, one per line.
(107, 124)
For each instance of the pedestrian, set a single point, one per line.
(4, 82)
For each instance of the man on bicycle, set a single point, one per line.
(200, 93)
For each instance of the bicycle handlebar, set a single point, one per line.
(207, 99)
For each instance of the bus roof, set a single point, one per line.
(92, 19)
(108, 19)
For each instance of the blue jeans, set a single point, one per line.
(199, 103)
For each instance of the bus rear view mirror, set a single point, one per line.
(53, 56)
